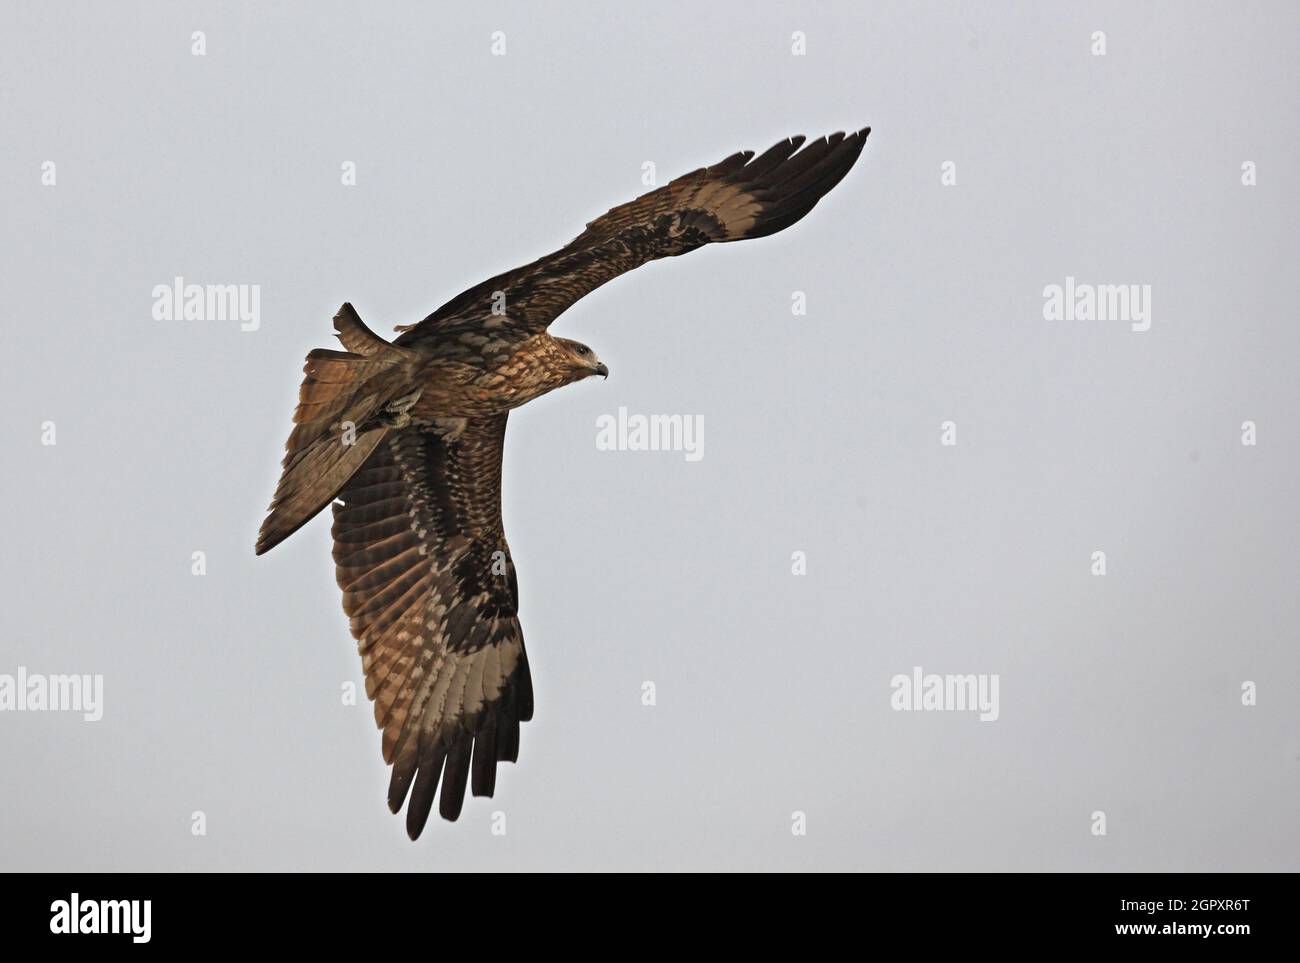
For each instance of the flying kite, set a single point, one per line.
(405, 439)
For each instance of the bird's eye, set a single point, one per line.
(584, 350)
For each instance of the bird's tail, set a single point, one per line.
(339, 421)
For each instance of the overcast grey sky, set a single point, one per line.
(1119, 693)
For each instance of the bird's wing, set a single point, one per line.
(430, 588)
(741, 197)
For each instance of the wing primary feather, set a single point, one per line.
(400, 783)
(426, 785)
(778, 153)
(800, 162)
(822, 176)
(523, 680)
(732, 163)
(508, 740)
(454, 778)
(484, 775)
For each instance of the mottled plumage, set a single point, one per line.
(406, 439)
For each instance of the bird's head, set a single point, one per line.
(582, 360)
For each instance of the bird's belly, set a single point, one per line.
(487, 394)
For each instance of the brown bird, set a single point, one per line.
(406, 439)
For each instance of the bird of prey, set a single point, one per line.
(405, 439)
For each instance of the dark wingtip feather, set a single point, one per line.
(454, 777)
(483, 777)
(426, 785)
(771, 158)
(469, 762)
(734, 162)
(791, 187)
(523, 682)
(508, 740)
(398, 785)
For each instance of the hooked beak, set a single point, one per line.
(601, 370)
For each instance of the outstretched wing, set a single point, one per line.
(742, 197)
(430, 589)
